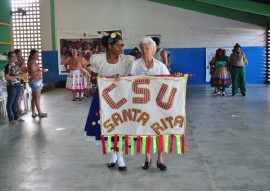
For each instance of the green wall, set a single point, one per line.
(5, 7)
(5, 17)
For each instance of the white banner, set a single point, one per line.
(142, 105)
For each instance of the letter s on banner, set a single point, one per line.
(138, 90)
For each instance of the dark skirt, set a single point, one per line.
(92, 126)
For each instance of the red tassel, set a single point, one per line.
(183, 144)
(148, 145)
(171, 143)
(161, 148)
(138, 144)
(126, 145)
(103, 144)
(115, 143)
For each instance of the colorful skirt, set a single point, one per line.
(75, 81)
(221, 78)
(92, 126)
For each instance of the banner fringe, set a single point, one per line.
(165, 144)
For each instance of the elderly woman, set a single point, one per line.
(148, 65)
(75, 80)
(111, 63)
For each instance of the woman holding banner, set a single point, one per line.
(110, 63)
(147, 65)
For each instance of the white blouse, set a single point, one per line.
(138, 68)
(100, 65)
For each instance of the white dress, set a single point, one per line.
(138, 68)
(100, 65)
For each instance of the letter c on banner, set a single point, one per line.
(109, 100)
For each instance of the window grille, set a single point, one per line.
(26, 28)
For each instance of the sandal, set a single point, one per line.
(34, 115)
(42, 115)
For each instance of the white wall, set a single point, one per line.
(179, 28)
(45, 22)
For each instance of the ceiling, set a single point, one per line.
(250, 11)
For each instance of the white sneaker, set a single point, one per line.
(223, 93)
(218, 94)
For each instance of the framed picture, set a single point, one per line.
(87, 43)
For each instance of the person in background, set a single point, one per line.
(111, 63)
(75, 80)
(64, 49)
(101, 48)
(221, 78)
(136, 53)
(35, 82)
(238, 62)
(93, 50)
(22, 65)
(86, 48)
(160, 53)
(13, 75)
(148, 65)
(212, 69)
(78, 47)
(87, 56)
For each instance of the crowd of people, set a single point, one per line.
(85, 61)
(75, 57)
(17, 75)
(148, 59)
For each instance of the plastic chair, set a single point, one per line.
(27, 96)
(3, 111)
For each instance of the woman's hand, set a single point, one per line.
(116, 77)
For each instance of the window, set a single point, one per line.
(26, 28)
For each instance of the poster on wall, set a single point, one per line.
(210, 54)
(87, 43)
